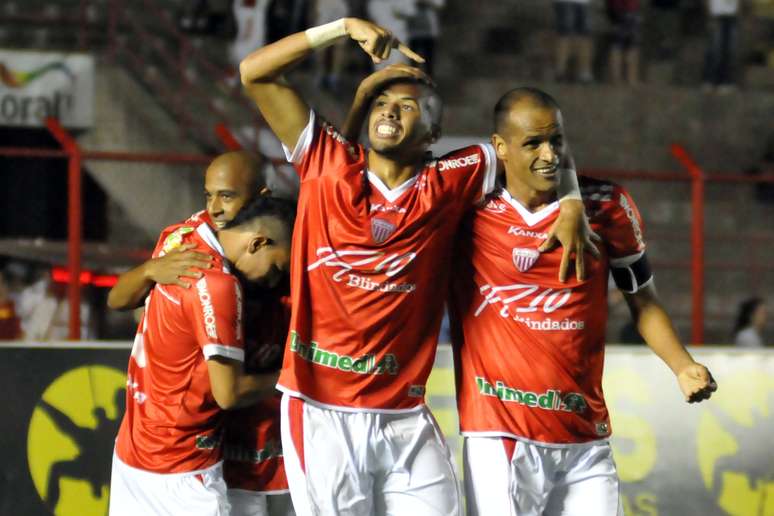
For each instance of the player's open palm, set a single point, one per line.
(696, 382)
(178, 264)
(377, 41)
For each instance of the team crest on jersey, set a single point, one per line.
(524, 259)
(381, 230)
(175, 239)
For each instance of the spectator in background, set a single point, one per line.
(572, 26)
(393, 15)
(250, 17)
(664, 20)
(750, 321)
(424, 28)
(10, 326)
(625, 51)
(330, 62)
(721, 46)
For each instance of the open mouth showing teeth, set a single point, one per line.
(548, 171)
(386, 130)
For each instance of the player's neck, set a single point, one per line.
(393, 171)
(530, 198)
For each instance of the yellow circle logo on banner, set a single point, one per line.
(734, 467)
(71, 436)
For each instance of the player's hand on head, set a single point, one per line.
(696, 382)
(375, 82)
(573, 232)
(377, 41)
(178, 266)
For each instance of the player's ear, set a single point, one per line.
(265, 192)
(257, 241)
(500, 147)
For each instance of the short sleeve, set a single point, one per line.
(624, 231)
(215, 304)
(472, 170)
(321, 149)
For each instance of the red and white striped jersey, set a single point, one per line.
(369, 271)
(172, 423)
(529, 349)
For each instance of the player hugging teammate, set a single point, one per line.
(369, 268)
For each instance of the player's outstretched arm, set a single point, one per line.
(656, 328)
(370, 87)
(232, 388)
(171, 269)
(281, 106)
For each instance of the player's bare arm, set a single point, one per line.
(171, 269)
(233, 388)
(281, 106)
(656, 328)
(370, 87)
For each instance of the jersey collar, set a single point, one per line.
(531, 218)
(391, 195)
(206, 234)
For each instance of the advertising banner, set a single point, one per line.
(37, 85)
(64, 401)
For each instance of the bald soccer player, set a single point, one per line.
(253, 464)
(530, 349)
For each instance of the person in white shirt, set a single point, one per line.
(750, 321)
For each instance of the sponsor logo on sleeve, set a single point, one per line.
(208, 312)
(175, 239)
(452, 163)
(636, 229)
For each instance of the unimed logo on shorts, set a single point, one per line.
(71, 437)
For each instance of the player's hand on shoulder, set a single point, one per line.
(377, 41)
(696, 382)
(177, 265)
(573, 232)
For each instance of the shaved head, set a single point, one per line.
(526, 96)
(232, 180)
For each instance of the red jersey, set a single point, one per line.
(368, 271)
(253, 450)
(529, 349)
(172, 422)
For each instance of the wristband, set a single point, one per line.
(325, 35)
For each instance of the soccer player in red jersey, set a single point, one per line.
(371, 250)
(253, 464)
(529, 349)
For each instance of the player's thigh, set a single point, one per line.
(422, 478)
(487, 469)
(590, 486)
(280, 505)
(320, 462)
(247, 503)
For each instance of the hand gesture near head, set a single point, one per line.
(377, 42)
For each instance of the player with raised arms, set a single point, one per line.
(530, 349)
(370, 264)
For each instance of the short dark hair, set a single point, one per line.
(516, 95)
(283, 210)
(435, 102)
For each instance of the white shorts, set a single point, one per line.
(366, 463)
(252, 503)
(197, 493)
(518, 478)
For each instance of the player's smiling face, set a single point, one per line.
(532, 146)
(400, 121)
(226, 190)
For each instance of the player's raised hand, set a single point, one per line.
(696, 382)
(377, 41)
(573, 232)
(178, 264)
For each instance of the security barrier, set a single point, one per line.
(715, 458)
